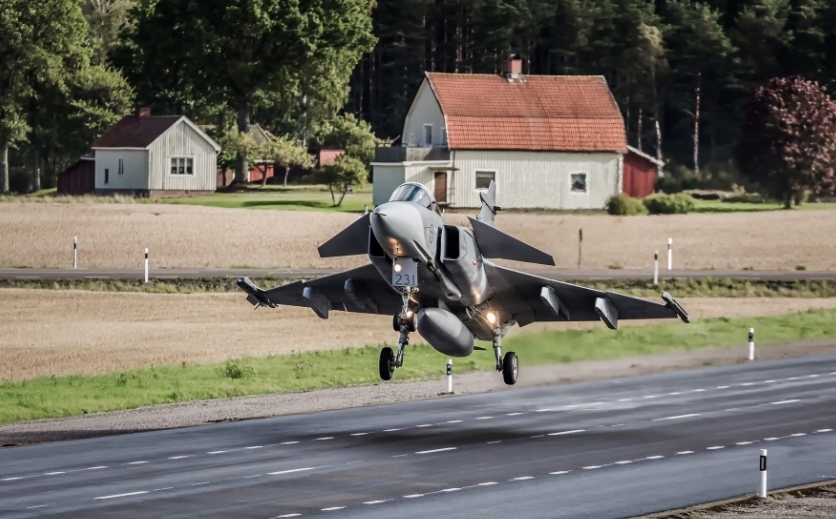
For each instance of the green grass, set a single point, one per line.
(76, 395)
(718, 206)
(291, 198)
(678, 287)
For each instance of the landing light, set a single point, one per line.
(491, 317)
(397, 267)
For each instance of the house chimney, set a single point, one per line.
(144, 112)
(513, 70)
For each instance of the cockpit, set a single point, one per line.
(415, 192)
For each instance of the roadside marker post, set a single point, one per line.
(450, 376)
(580, 246)
(670, 253)
(762, 486)
(75, 252)
(751, 344)
(146, 264)
(655, 267)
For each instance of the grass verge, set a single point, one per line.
(50, 397)
(678, 287)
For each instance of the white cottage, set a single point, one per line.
(147, 155)
(553, 142)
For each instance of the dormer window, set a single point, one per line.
(428, 134)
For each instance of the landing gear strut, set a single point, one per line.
(403, 322)
(509, 366)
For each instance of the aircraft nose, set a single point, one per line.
(399, 229)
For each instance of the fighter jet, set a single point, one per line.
(436, 279)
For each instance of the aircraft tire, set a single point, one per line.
(387, 363)
(510, 368)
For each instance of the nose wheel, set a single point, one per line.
(403, 322)
(509, 365)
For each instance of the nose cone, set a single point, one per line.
(399, 228)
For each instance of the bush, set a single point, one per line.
(669, 204)
(624, 205)
(746, 198)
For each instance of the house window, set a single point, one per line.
(428, 134)
(578, 182)
(121, 169)
(484, 178)
(107, 176)
(182, 166)
(444, 136)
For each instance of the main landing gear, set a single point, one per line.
(403, 322)
(509, 366)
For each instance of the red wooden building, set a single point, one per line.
(640, 171)
(78, 179)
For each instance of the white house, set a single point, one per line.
(147, 155)
(552, 142)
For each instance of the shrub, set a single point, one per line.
(624, 205)
(748, 198)
(669, 204)
(233, 370)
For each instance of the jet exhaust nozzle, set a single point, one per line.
(445, 332)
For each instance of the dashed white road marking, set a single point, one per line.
(772, 439)
(164, 488)
(304, 469)
(770, 381)
(216, 452)
(624, 399)
(484, 417)
(537, 436)
(748, 384)
(179, 457)
(562, 433)
(254, 447)
(812, 376)
(716, 447)
(487, 484)
(253, 476)
(675, 393)
(684, 453)
(678, 417)
(324, 438)
(54, 473)
(359, 434)
(128, 494)
(400, 455)
(390, 430)
(289, 443)
(433, 451)
(425, 425)
(824, 431)
(798, 435)
(522, 478)
(651, 396)
(413, 496)
(731, 410)
(36, 506)
(494, 442)
(744, 443)
(592, 467)
(513, 414)
(723, 387)
(654, 457)
(624, 462)
(700, 390)
(285, 516)
(454, 489)
(199, 484)
(136, 463)
(376, 502)
(560, 472)
(16, 478)
(782, 402)
(455, 421)
(332, 508)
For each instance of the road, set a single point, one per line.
(571, 274)
(604, 449)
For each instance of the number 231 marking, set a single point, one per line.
(406, 280)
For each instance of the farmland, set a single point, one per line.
(65, 332)
(185, 236)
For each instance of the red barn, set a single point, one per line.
(639, 173)
(78, 179)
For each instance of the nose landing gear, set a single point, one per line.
(403, 322)
(509, 366)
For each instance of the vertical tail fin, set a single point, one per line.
(489, 207)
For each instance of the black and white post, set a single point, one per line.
(762, 486)
(450, 376)
(580, 246)
(75, 252)
(670, 253)
(146, 264)
(655, 267)
(751, 344)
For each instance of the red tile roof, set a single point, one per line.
(136, 132)
(544, 113)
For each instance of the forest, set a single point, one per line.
(683, 72)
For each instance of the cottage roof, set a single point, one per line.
(541, 113)
(141, 131)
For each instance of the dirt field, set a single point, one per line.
(66, 332)
(114, 235)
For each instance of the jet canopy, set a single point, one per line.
(413, 192)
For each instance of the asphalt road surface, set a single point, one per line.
(573, 274)
(605, 449)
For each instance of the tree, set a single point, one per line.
(348, 133)
(106, 18)
(339, 175)
(267, 48)
(234, 144)
(788, 142)
(285, 152)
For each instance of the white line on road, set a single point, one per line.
(36, 506)
(376, 502)
(654, 457)
(136, 463)
(522, 478)
(812, 376)
(454, 421)
(771, 439)
(683, 453)
(289, 443)
(437, 450)
(487, 484)
(54, 473)
(254, 447)
(199, 484)
(675, 393)
(216, 452)
(592, 467)
(624, 399)
(359, 434)
(412, 496)
(179, 457)
(748, 384)
(723, 387)
(798, 435)
(716, 447)
(294, 470)
(332, 508)
(99, 467)
(454, 489)
(285, 516)
(324, 438)
(509, 414)
(16, 478)
(652, 396)
(123, 495)
(390, 430)
(494, 442)
(484, 417)
(824, 430)
(679, 417)
(697, 390)
(744, 443)
(625, 462)
(561, 433)
(161, 489)
(782, 402)
(770, 381)
(400, 455)
(250, 477)
(426, 425)
(560, 472)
